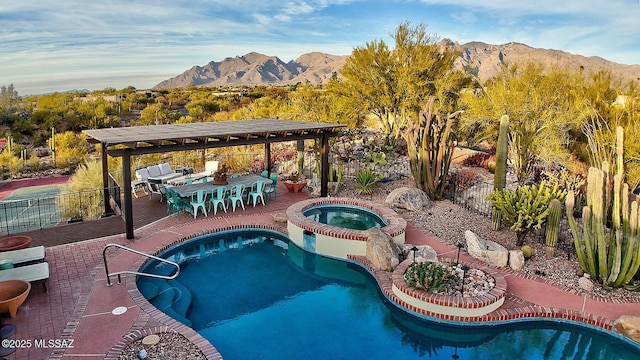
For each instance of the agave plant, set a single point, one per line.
(366, 182)
(430, 276)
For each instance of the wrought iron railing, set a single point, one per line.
(470, 193)
(45, 212)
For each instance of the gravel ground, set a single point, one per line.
(171, 346)
(562, 270)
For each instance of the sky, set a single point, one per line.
(48, 46)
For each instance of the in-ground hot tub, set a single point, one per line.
(336, 226)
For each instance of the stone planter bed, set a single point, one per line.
(450, 307)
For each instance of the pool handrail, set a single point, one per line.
(106, 267)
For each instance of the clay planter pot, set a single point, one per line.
(12, 294)
(15, 242)
(295, 187)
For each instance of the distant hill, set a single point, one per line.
(487, 59)
(258, 69)
(483, 59)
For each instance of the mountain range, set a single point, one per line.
(317, 68)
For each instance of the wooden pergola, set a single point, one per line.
(138, 140)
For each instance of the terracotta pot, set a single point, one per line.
(12, 294)
(15, 242)
(295, 187)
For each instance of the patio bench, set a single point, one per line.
(34, 272)
(161, 173)
(23, 256)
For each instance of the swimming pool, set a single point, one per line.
(254, 295)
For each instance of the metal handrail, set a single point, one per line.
(106, 267)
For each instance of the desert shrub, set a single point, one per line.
(85, 199)
(465, 179)
(478, 159)
(71, 149)
(35, 163)
(12, 163)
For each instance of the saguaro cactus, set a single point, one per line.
(500, 174)
(553, 222)
(611, 255)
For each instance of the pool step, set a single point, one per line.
(164, 302)
(182, 299)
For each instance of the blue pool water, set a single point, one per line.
(345, 216)
(255, 296)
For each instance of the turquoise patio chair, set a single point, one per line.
(236, 196)
(271, 189)
(218, 197)
(256, 193)
(167, 194)
(199, 201)
(264, 174)
(179, 204)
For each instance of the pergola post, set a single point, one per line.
(128, 200)
(324, 178)
(267, 158)
(105, 179)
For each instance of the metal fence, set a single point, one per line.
(39, 213)
(471, 194)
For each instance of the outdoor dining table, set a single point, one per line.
(185, 191)
(181, 180)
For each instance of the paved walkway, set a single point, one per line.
(79, 305)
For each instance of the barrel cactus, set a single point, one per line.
(527, 251)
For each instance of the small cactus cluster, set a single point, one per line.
(611, 255)
(525, 208)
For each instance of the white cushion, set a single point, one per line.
(165, 169)
(142, 174)
(23, 255)
(210, 167)
(154, 171)
(39, 271)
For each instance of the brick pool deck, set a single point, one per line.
(78, 303)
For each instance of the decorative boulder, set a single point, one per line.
(585, 283)
(516, 259)
(629, 326)
(425, 253)
(280, 217)
(382, 251)
(488, 251)
(411, 199)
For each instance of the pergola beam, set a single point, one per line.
(211, 145)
